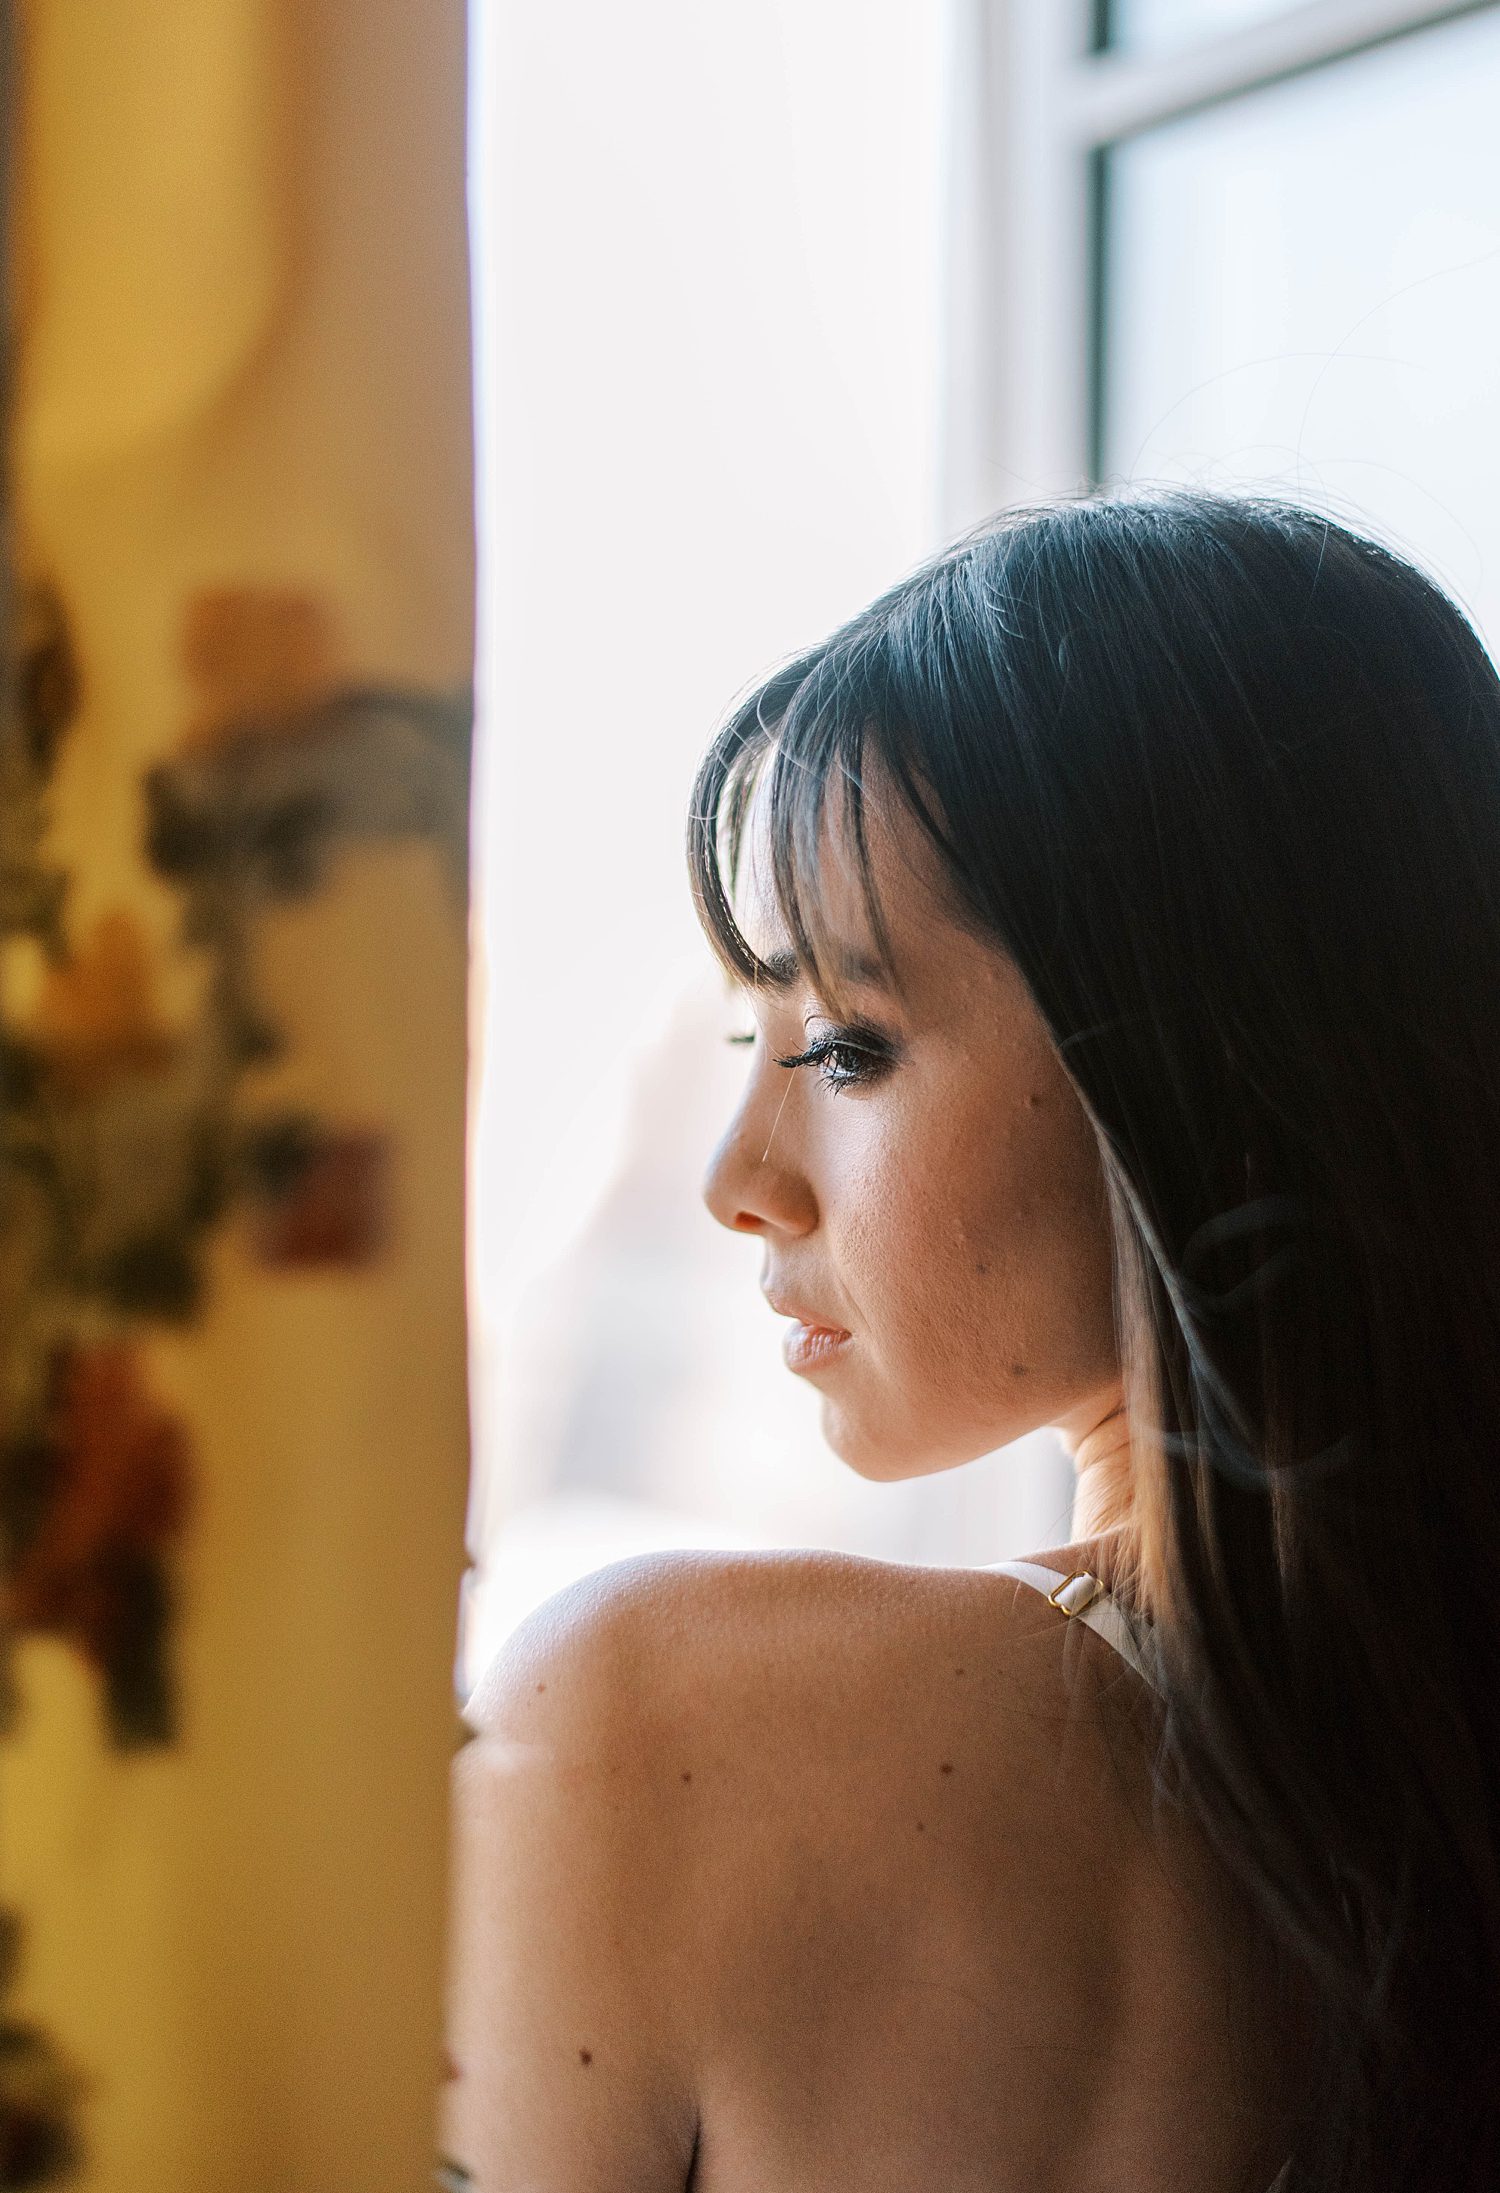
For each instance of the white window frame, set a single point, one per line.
(1039, 109)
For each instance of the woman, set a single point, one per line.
(1117, 906)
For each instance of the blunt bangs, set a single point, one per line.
(805, 734)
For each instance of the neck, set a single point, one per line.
(1103, 1492)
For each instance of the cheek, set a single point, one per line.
(928, 1204)
(1045, 1239)
(966, 1225)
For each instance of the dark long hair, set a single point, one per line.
(1222, 777)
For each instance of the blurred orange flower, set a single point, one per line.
(119, 1484)
(97, 1018)
(257, 657)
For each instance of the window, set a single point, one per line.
(1255, 245)
(1302, 289)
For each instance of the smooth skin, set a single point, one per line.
(801, 1872)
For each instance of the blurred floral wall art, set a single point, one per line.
(234, 794)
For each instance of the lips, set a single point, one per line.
(813, 1339)
(784, 1306)
(813, 1347)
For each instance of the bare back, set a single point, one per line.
(944, 1945)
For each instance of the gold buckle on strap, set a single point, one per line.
(1087, 1576)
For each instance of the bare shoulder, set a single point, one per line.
(646, 1646)
(739, 1828)
(639, 1651)
(740, 1703)
(570, 2002)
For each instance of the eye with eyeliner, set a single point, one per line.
(845, 1057)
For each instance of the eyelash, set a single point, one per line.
(873, 1053)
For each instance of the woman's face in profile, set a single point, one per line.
(931, 1188)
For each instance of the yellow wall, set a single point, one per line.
(242, 292)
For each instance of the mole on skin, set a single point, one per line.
(946, 1767)
(585, 2056)
(686, 1776)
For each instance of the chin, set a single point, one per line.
(883, 1458)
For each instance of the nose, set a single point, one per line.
(754, 1183)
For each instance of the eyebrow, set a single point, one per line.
(783, 969)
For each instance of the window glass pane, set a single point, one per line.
(1303, 294)
(1151, 26)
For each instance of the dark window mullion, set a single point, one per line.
(1098, 308)
(1110, 95)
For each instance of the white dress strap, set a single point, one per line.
(1084, 1596)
